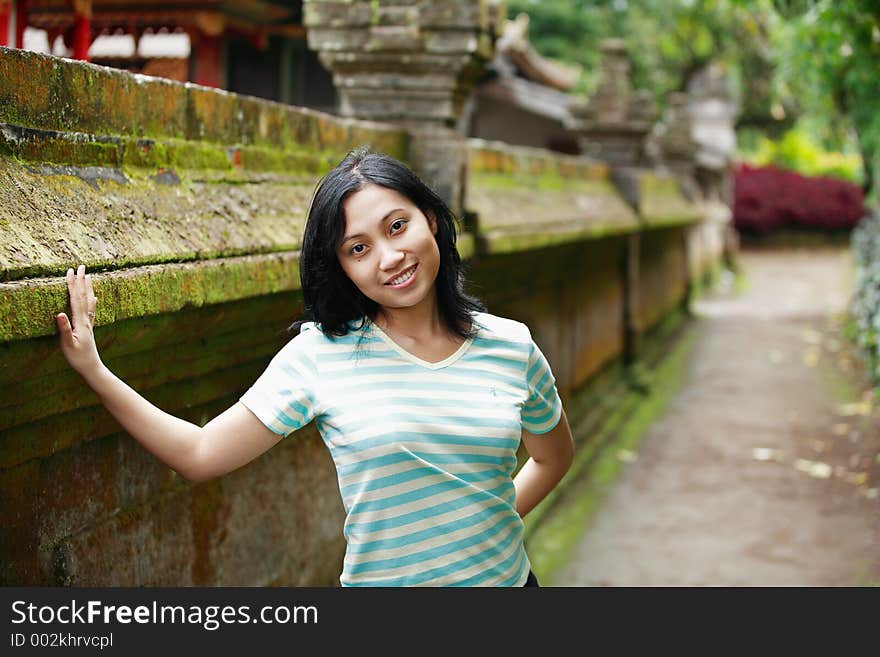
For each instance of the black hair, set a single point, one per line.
(331, 300)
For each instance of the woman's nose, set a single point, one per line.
(390, 258)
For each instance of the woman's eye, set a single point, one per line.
(398, 225)
(357, 249)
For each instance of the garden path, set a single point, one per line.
(765, 467)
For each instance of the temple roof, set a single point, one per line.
(270, 16)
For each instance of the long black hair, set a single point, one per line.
(331, 300)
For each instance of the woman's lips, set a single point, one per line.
(408, 281)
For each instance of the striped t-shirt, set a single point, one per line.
(424, 452)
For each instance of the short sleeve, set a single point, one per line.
(283, 396)
(543, 408)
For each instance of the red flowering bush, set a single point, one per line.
(767, 198)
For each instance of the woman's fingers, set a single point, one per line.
(64, 327)
(71, 296)
(82, 294)
(82, 298)
(91, 300)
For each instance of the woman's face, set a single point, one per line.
(388, 249)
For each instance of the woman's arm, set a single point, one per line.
(227, 442)
(551, 455)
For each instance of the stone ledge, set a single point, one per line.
(528, 198)
(54, 216)
(155, 155)
(28, 307)
(49, 93)
(510, 241)
(657, 197)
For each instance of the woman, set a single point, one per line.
(421, 397)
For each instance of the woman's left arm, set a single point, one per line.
(551, 455)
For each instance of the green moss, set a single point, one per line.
(597, 466)
(741, 283)
(28, 309)
(706, 282)
(500, 242)
(198, 156)
(547, 181)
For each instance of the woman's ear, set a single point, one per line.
(432, 222)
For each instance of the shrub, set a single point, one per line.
(767, 198)
(866, 296)
(796, 151)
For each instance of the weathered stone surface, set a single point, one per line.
(662, 275)
(395, 44)
(152, 544)
(332, 39)
(657, 197)
(392, 83)
(393, 38)
(450, 42)
(615, 121)
(337, 14)
(206, 534)
(570, 296)
(47, 93)
(296, 538)
(90, 420)
(434, 104)
(139, 221)
(19, 549)
(462, 14)
(525, 198)
(28, 307)
(406, 14)
(393, 64)
(596, 301)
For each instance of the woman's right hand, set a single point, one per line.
(78, 338)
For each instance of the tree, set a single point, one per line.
(668, 41)
(828, 55)
(789, 59)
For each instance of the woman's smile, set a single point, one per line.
(405, 279)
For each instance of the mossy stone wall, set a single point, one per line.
(188, 204)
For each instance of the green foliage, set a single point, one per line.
(866, 299)
(798, 151)
(827, 56)
(813, 63)
(568, 31)
(668, 41)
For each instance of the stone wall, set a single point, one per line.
(188, 204)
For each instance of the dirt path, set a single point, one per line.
(765, 468)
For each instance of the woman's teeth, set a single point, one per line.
(403, 277)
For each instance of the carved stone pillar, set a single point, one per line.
(411, 62)
(613, 124)
(677, 148)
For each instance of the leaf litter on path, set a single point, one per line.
(766, 454)
(815, 469)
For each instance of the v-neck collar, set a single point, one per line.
(446, 362)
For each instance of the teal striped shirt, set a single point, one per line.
(424, 452)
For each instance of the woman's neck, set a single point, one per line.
(417, 323)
